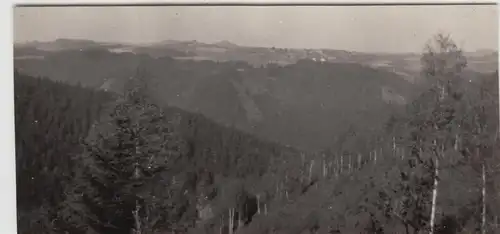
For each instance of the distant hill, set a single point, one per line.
(303, 104)
(407, 65)
(90, 67)
(66, 44)
(226, 44)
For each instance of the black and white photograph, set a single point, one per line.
(256, 119)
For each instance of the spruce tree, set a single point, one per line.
(126, 156)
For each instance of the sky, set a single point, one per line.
(393, 29)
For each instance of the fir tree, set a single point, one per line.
(125, 158)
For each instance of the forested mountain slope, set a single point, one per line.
(46, 153)
(51, 120)
(391, 192)
(220, 163)
(301, 104)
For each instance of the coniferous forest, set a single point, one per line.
(91, 161)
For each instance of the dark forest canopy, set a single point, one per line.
(51, 119)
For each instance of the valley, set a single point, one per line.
(303, 103)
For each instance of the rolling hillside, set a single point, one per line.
(302, 104)
(407, 65)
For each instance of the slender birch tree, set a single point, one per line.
(442, 62)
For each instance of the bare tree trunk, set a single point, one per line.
(277, 191)
(330, 166)
(324, 167)
(240, 219)
(310, 170)
(221, 224)
(231, 219)
(359, 161)
(394, 146)
(443, 93)
(434, 196)
(137, 219)
(375, 157)
(483, 218)
(281, 189)
(302, 157)
(420, 151)
(341, 162)
(350, 164)
(258, 203)
(337, 167)
(495, 223)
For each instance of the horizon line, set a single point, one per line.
(239, 45)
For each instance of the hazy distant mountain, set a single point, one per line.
(66, 44)
(226, 44)
(481, 53)
(406, 65)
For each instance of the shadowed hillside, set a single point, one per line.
(302, 104)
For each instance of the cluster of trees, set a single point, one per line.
(143, 168)
(51, 119)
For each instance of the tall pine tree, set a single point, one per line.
(126, 156)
